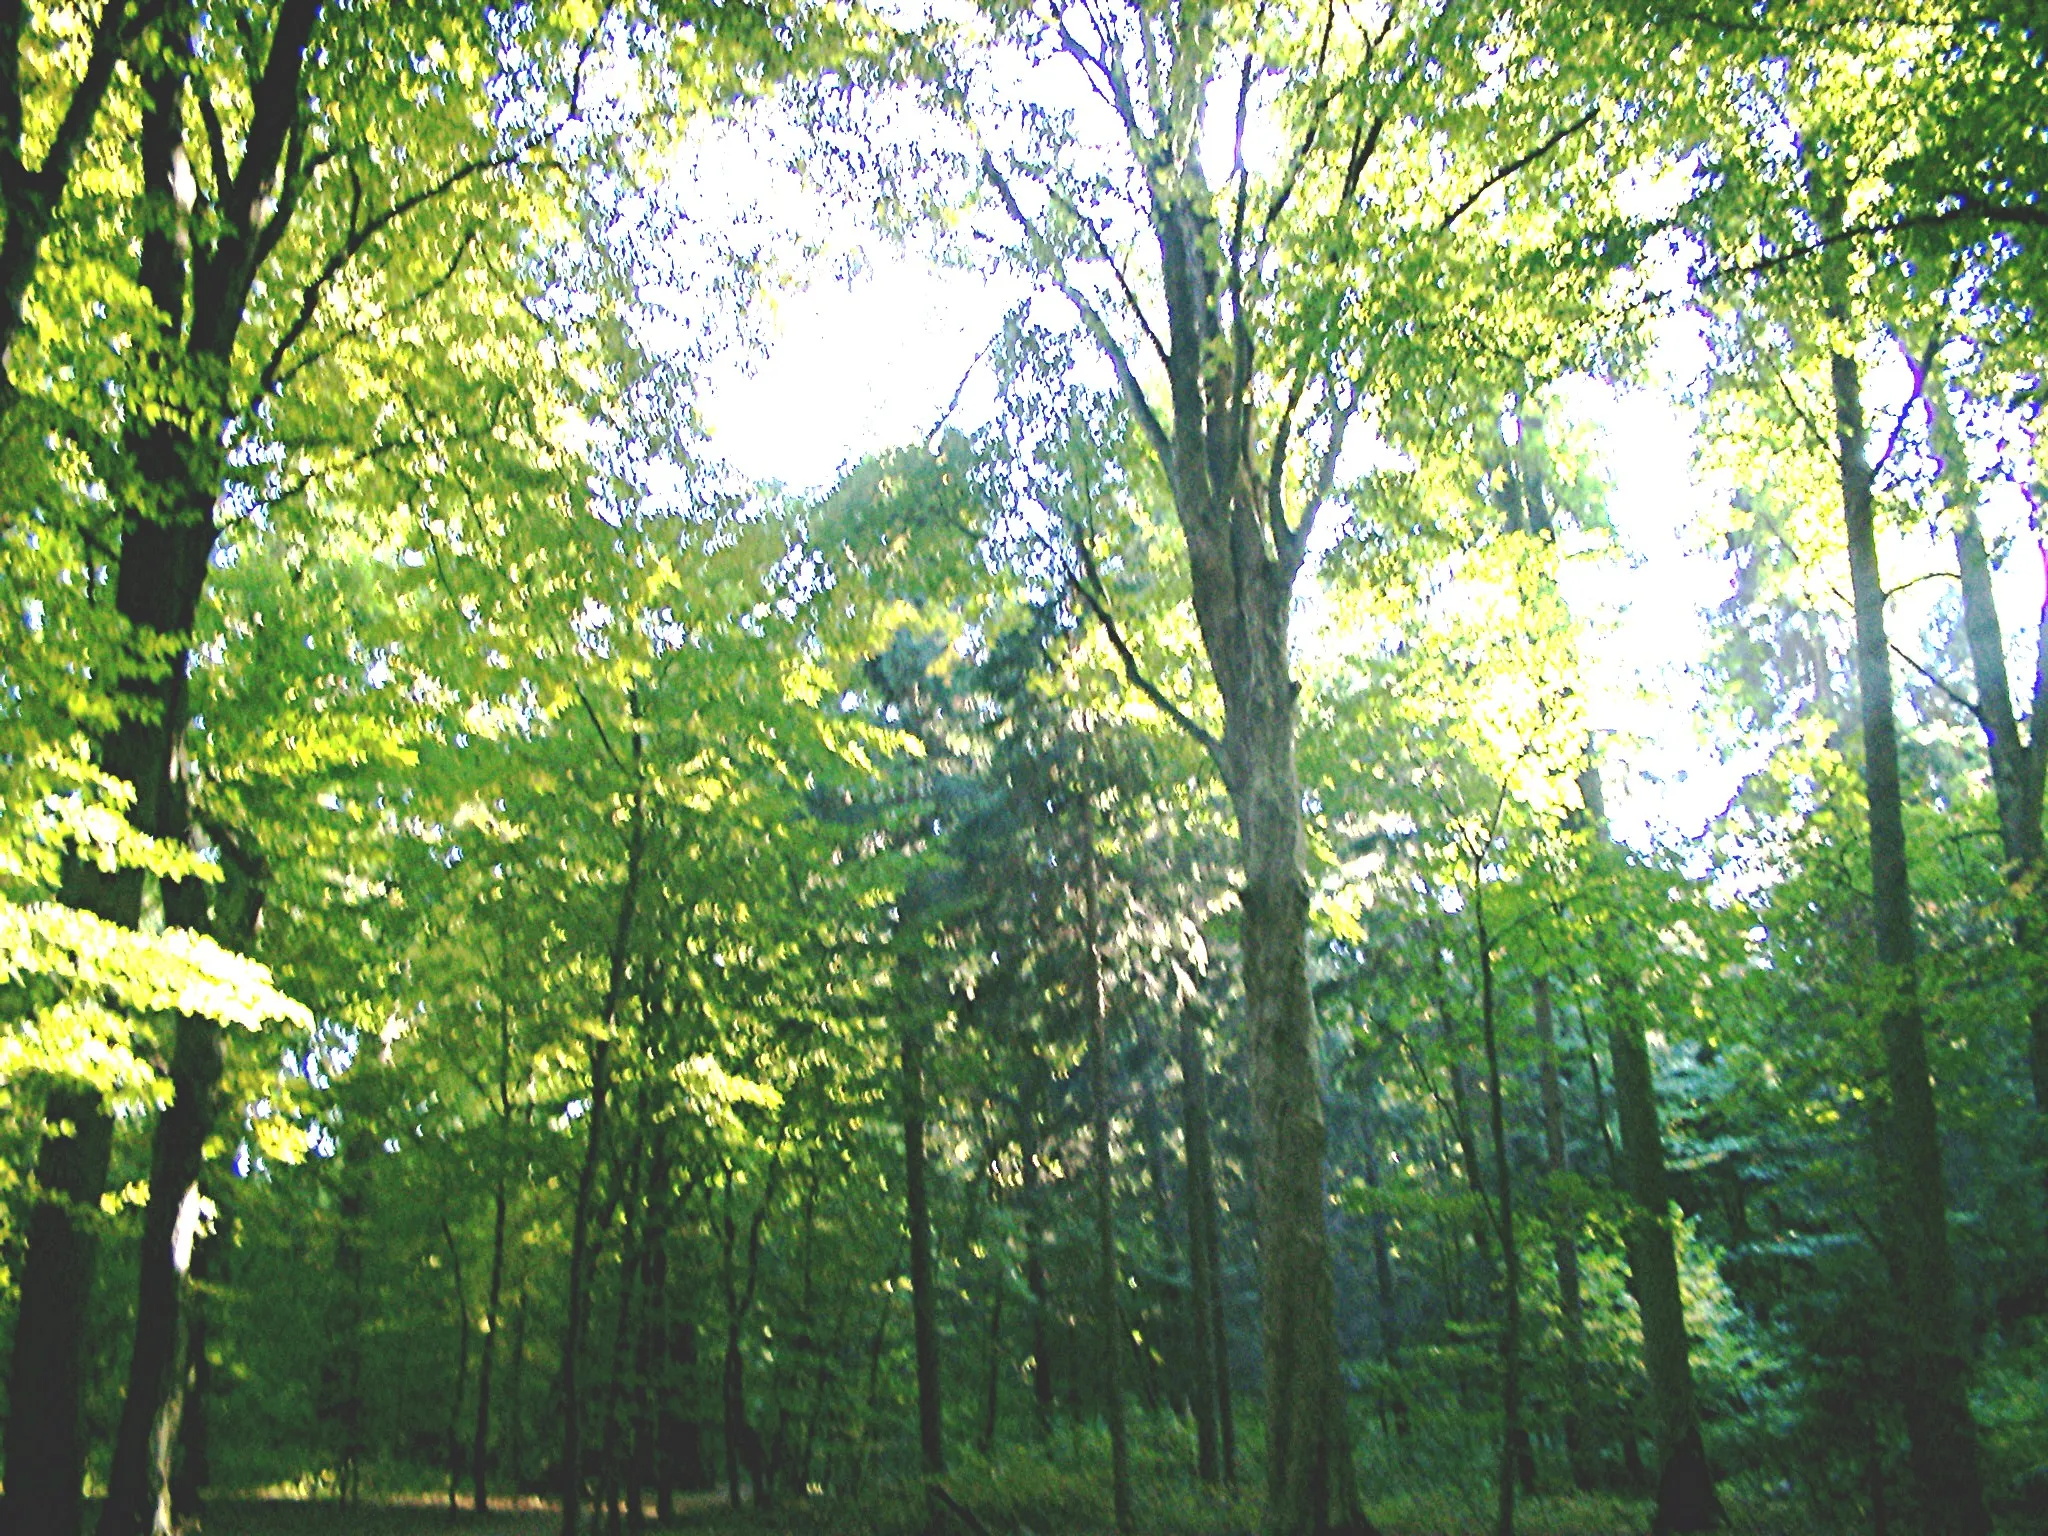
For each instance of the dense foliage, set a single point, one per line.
(1083, 977)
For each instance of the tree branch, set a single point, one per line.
(1123, 283)
(1134, 392)
(1517, 165)
(1975, 709)
(1087, 583)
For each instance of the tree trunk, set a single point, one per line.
(991, 1404)
(1311, 1485)
(917, 1216)
(733, 1401)
(1565, 1249)
(138, 1493)
(1201, 1216)
(480, 1443)
(45, 1449)
(178, 463)
(515, 1391)
(1169, 1367)
(650, 1348)
(1513, 1451)
(1034, 1257)
(1108, 1280)
(660, 1380)
(2017, 763)
(1383, 1270)
(593, 1153)
(461, 1367)
(1686, 1498)
(616, 1395)
(192, 1468)
(139, 1485)
(1219, 1328)
(1940, 1430)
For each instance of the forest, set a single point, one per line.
(1137, 959)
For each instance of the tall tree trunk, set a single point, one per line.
(616, 1395)
(2018, 762)
(1686, 1497)
(1034, 1239)
(593, 1153)
(1311, 1484)
(741, 1440)
(651, 1342)
(1201, 1215)
(480, 1442)
(139, 1486)
(45, 1450)
(1108, 1280)
(515, 1409)
(992, 1399)
(192, 1469)
(658, 1376)
(177, 464)
(1172, 1359)
(461, 1388)
(1940, 1430)
(1565, 1247)
(1383, 1270)
(1513, 1451)
(1219, 1327)
(917, 1218)
(1462, 1130)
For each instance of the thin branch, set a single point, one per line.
(1123, 283)
(604, 738)
(1820, 439)
(1326, 478)
(1921, 367)
(1134, 392)
(1967, 210)
(275, 377)
(1953, 697)
(931, 438)
(1087, 582)
(1517, 165)
(360, 235)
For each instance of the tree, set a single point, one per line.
(1286, 297)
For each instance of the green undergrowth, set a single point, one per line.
(1045, 1501)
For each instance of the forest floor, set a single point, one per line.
(1440, 1514)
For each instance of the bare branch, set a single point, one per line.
(1954, 697)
